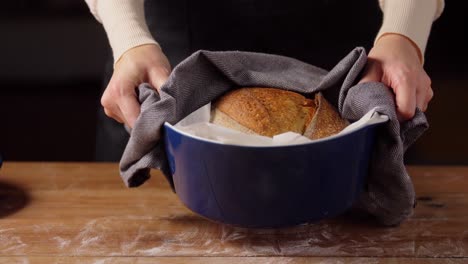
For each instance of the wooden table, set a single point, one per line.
(82, 213)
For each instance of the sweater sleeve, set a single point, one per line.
(126, 28)
(410, 18)
(124, 22)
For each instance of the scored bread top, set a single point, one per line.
(266, 111)
(326, 122)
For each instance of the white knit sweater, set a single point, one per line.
(125, 25)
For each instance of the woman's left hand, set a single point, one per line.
(396, 62)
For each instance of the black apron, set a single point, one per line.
(319, 32)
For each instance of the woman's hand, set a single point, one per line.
(145, 63)
(395, 61)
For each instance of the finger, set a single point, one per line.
(130, 109)
(157, 77)
(429, 96)
(405, 95)
(372, 73)
(113, 115)
(421, 98)
(110, 108)
(428, 93)
(109, 101)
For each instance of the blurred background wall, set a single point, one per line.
(54, 54)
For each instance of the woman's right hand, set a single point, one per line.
(146, 63)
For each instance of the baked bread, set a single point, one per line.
(326, 121)
(270, 111)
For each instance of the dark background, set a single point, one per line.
(53, 57)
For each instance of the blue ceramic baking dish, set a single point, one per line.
(274, 186)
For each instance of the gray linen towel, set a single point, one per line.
(205, 75)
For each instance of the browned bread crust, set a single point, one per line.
(267, 111)
(271, 111)
(326, 122)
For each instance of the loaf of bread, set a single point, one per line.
(270, 111)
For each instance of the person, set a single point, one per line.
(148, 37)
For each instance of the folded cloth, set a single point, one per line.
(204, 76)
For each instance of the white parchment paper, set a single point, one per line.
(197, 124)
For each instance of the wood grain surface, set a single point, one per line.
(82, 213)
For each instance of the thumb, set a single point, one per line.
(130, 109)
(157, 77)
(372, 73)
(405, 93)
